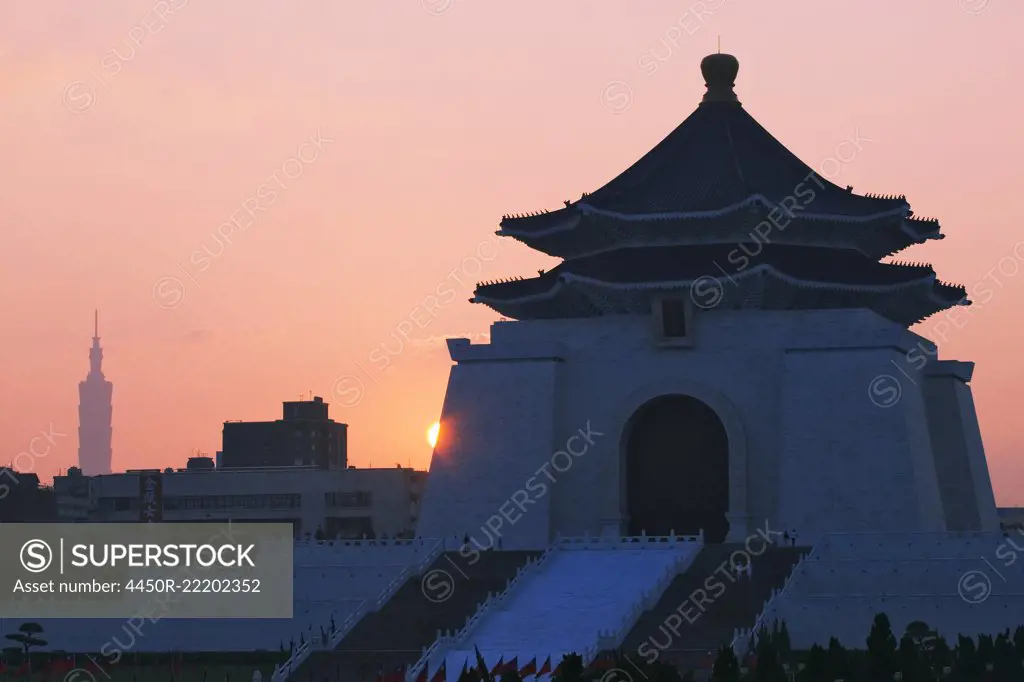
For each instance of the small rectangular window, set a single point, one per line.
(673, 319)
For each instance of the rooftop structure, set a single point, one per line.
(721, 198)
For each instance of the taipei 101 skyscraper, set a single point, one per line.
(94, 413)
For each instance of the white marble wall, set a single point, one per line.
(497, 432)
(813, 446)
(849, 463)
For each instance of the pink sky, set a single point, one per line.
(441, 116)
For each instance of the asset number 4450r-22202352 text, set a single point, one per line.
(195, 585)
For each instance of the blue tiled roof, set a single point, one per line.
(842, 267)
(717, 157)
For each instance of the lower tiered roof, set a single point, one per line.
(772, 277)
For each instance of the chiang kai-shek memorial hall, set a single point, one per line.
(721, 347)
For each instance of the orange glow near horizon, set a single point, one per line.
(308, 203)
(432, 433)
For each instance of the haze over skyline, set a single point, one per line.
(366, 155)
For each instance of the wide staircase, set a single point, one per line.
(703, 608)
(442, 598)
(579, 596)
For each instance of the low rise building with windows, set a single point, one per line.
(333, 503)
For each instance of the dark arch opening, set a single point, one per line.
(677, 469)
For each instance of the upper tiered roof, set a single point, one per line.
(712, 180)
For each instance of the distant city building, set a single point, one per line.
(342, 503)
(94, 413)
(23, 500)
(306, 436)
(74, 500)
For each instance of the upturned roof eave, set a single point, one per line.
(568, 219)
(945, 294)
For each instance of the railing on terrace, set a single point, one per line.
(311, 542)
(610, 639)
(627, 542)
(446, 641)
(334, 638)
(743, 639)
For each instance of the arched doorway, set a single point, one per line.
(677, 469)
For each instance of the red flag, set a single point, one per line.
(511, 667)
(546, 668)
(558, 668)
(422, 677)
(441, 674)
(498, 666)
(529, 669)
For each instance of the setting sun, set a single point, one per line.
(432, 432)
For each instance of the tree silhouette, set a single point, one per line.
(986, 650)
(966, 658)
(769, 667)
(908, 661)
(782, 643)
(938, 657)
(837, 661)
(881, 656)
(27, 637)
(816, 665)
(726, 668)
(1006, 665)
